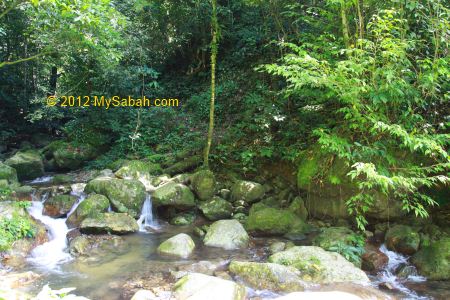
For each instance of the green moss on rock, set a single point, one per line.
(28, 164)
(216, 209)
(91, 206)
(203, 184)
(402, 239)
(434, 261)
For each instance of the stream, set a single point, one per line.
(120, 268)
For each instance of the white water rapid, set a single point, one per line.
(146, 219)
(52, 253)
(388, 274)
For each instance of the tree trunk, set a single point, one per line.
(345, 30)
(214, 50)
(53, 80)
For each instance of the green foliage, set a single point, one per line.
(352, 249)
(382, 127)
(13, 229)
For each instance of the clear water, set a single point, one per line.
(115, 273)
(52, 253)
(146, 220)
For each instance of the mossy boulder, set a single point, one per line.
(203, 184)
(216, 209)
(96, 248)
(180, 245)
(319, 266)
(203, 287)
(183, 219)
(268, 276)
(333, 236)
(92, 205)
(297, 206)
(403, 239)
(115, 223)
(139, 170)
(265, 220)
(226, 234)
(247, 191)
(328, 191)
(175, 195)
(125, 195)
(58, 206)
(434, 261)
(70, 156)
(8, 173)
(28, 164)
(61, 179)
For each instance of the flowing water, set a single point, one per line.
(52, 253)
(388, 275)
(146, 219)
(115, 269)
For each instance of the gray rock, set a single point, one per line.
(227, 234)
(180, 245)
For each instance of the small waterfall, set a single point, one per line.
(388, 274)
(43, 179)
(52, 253)
(146, 219)
(49, 255)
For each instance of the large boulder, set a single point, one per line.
(180, 245)
(8, 173)
(327, 197)
(92, 205)
(136, 169)
(335, 238)
(203, 287)
(402, 239)
(319, 266)
(434, 261)
(97, 248)
(139, 170)
(265, 220)
(227, 234)
(28, 164)
(70, 156)
(268, 276)
(116, 223)
(297, 206)
(58, 206)
(203, 184)
(216, 209)
(174, 195)
(125, 195)
(247, 191)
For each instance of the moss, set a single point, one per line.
(8, 173)
(269, 220)
(28, 164)
(307, 170)
(203, 184)
(434, 261)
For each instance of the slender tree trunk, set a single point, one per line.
(214, 50)
(360, 18)
(345, 30)
(53, 80)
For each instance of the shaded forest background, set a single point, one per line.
(362, 87)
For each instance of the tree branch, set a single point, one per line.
(14, 5)
(8, 63)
